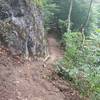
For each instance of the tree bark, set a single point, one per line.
(87, 19)
(69, 16)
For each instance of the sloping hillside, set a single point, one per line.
(30, 80)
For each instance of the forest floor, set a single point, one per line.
(28, 80)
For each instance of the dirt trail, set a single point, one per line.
(31, 80)
(54, 49)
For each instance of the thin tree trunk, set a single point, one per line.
(69, 16)
(86, 22)
(87, 19)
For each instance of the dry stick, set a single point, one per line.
(45, 60)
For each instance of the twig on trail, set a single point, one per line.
(45, 60)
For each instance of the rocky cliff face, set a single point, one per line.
(21, 27)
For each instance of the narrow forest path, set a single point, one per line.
(54, 49)
(31, 80)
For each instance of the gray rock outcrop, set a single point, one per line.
(21, 27)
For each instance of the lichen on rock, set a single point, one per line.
(21, 27)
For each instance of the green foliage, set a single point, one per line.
(57, 10)
(39, 2)
(63, 25)
(81, 63)
(73, 46)
(49, 8)
(98, 30)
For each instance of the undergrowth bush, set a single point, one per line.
(81, 63)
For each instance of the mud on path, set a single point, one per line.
(27, 80)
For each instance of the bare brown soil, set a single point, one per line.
(28, 80)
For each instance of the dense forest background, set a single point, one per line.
(77, 25)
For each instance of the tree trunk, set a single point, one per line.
(82, 29)
(69, 16)
(21, 26)
(87, 19)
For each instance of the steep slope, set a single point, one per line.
(28, 80)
